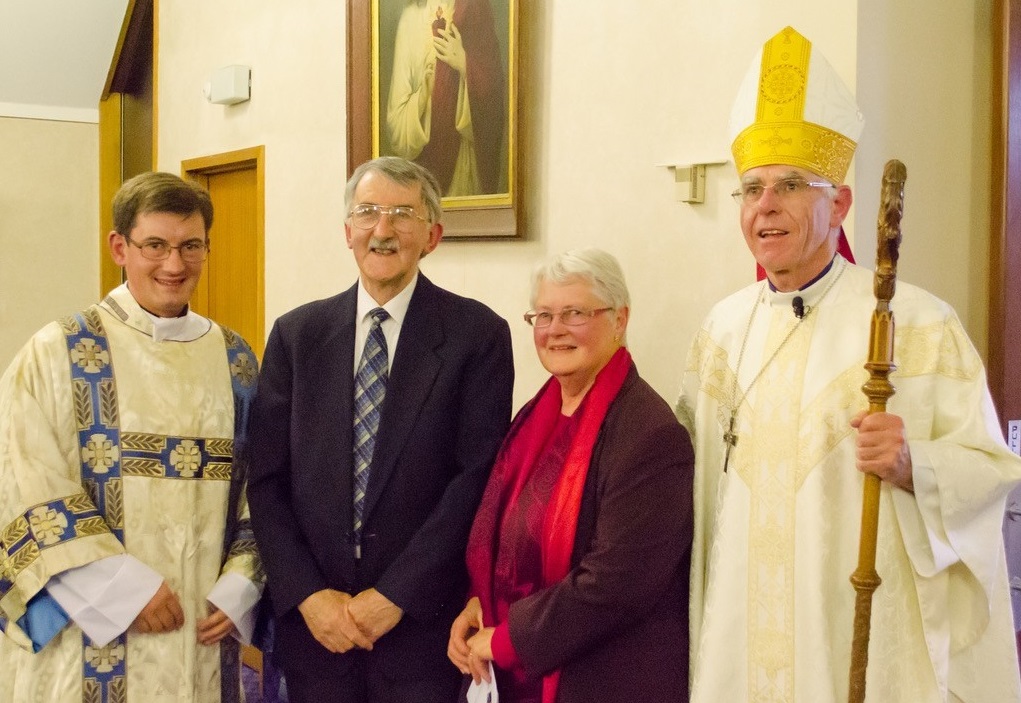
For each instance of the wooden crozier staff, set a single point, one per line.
(877, 389)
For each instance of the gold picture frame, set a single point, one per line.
(407, 96)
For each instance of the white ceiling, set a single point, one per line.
(55, 56)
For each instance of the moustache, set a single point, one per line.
(380, 244)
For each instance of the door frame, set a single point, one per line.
(1005, 241)
(241, 159)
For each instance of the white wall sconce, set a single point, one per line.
(690, 179)
(229, 85)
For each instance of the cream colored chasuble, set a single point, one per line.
(776, 536)
(175, 409)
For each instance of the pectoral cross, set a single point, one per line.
(731, 439)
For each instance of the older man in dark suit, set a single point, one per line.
(378, 417)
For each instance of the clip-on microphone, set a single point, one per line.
(799, 307)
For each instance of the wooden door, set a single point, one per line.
(231, 289)
(1005, 266)
(126, 124)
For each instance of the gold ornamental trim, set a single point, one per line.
(804, 144)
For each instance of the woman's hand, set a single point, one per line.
(464, 626)
(480, 653)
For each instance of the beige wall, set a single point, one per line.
(49, 224)
(925, 86)
(616, 90)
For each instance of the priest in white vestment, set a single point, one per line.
(772, 398)
(128, 565)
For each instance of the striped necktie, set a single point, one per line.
(370, 388)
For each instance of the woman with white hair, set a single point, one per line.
(579, 552)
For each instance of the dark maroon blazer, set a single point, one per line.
(617, 625)
(447, 407)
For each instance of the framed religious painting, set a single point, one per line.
(435, 81)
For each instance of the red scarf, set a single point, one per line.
(521, 448)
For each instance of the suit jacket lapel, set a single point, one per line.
(334, 409)
(412, 374)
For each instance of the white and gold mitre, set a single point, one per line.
(793, 109)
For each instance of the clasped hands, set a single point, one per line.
(163, 613)
(470, 646)
(341, 622)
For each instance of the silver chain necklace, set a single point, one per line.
(730, 437)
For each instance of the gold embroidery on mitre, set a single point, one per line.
(780, 134)
(804, 144)
(783, 78)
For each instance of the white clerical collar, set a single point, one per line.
(811, 293)
(186, 328)
(397, 306)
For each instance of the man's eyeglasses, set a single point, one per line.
(192, 252)
(751, 193)
(572, 317)
(402, 217)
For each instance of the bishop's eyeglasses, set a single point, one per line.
(402, 217)
(751, 193)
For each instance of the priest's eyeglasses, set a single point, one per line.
(192, 251)
(572, 317)
(402, 217)
(751, 193)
